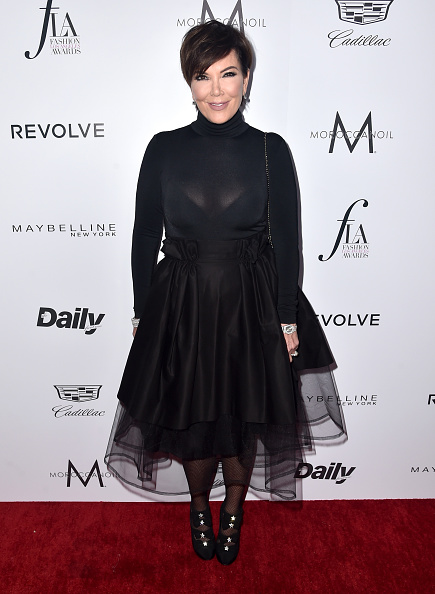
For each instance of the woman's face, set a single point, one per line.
(218, 92)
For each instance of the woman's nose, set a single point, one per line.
(216, 88)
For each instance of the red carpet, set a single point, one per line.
(321, 546)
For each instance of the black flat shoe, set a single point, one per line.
(227, 545)
(203, 540)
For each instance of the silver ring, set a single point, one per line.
(295, 354)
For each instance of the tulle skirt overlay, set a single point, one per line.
(208, 374)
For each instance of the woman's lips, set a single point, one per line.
(218, 106)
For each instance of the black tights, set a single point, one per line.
(200, 475)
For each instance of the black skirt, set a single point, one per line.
(208, 374)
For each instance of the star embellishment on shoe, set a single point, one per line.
(229, 539)
(200, 515)
(233, 518)
(231, 525)
(205, 543)
(202, 535)
(227, 548)
(202, 522)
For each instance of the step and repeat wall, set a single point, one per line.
(349, 85)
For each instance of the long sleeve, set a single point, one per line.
(284, 226)
(148, 225)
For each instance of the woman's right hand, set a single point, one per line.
(134, 332)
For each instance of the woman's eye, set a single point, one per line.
(230, 74)
(200, 77)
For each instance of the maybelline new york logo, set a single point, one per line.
(81, 319)
(63, 39)
(360, 13)
(424, 469)
(236, 18)
(352, 239)
(76, 230)
(351, 137)
(348, 400)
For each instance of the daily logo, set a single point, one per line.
(363, 13)
(63, 39)
(335, 472)
(352, 239)
(80, 319)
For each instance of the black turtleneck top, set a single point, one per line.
(208, 181)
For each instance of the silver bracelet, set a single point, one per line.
(135, 322)
(288, 328)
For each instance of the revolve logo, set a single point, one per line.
(64, 38)
(373, 319)
(335, 472)
(76, 230)
(431, 399)
(81, 319)
(353, 240)
(48, 131)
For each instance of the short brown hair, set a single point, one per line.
(209, 42)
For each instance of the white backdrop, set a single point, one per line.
(106, 79)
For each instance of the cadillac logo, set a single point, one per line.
(78, 393)
(363, 13)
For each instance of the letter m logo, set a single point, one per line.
(351, 145)
(206, 10)
(84, 481)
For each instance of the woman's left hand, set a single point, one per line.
(292, 342)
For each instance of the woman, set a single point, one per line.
(211, 376)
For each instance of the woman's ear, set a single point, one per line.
(246, 81)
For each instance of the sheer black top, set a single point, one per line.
(208, 181)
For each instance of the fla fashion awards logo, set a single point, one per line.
(63, 38)
(351, 238)
(360, 13)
